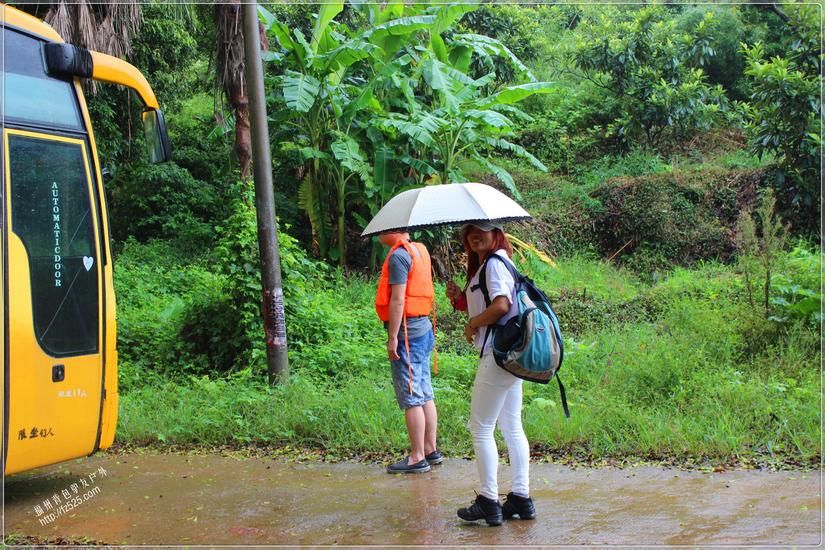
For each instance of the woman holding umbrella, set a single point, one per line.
(496, 393)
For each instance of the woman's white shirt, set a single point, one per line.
(499, 283)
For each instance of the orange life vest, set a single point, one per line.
(418, 299)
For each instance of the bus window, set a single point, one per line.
(30, 95)
(51, 214)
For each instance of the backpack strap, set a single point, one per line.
(482, 284)
(510, 267)
(482, 276)
(563, 397)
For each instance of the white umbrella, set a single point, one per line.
(452, 203)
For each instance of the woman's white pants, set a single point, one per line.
(497, 396)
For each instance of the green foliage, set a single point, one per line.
(797, 289)
(156, 289)
(202, 315)
(782, 290)
(116, 115)
(517, 28)
(205, 153)
(783, 116)
(375, 109)
(637, 162)
(151, 201)
(227, 326)
(651, 222)
(522, 30)
(760, 242)
(173, 75)
(722, 30)
(653, 74)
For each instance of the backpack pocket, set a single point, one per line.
(528, 345)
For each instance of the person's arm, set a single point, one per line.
(456, 296)
(496, 310)
(397, 296)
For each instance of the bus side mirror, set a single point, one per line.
(157, 138)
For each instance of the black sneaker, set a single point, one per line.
(401, 467)
(434, 458)
(516, 505)
(482, 508)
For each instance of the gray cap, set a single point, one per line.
(487, 225)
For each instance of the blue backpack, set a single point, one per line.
(529, 345)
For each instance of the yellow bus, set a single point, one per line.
(57, 331)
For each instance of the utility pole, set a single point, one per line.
(273, 295)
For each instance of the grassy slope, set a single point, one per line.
(664, 380)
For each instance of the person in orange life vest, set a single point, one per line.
(403, 302)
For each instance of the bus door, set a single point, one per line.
(54, 289)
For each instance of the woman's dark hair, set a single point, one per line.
(500, 242)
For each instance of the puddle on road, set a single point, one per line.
(211, 499)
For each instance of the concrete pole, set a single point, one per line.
(273, 296)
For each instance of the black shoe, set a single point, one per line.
(516, 505)
(482, 508)
(401, 467)
(434, 458)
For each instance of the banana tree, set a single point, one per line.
(311, 95)
(375, 110)
(326, 93)
(463, 119)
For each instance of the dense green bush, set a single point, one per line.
(163, 201)
(180, 314)
(156, 288)
(797, 288)
(725, 32)
(226, 327)
(654, 221)
(565, 129)
(522, 29)
(198, 144)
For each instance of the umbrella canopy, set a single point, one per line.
(453, 203)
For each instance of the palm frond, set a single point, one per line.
(229, 62)
(515, 149)
(522, 247)
(502, 174)
(486, 46)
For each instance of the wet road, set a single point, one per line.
(209, 499)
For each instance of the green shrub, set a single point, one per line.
(797, 289)
(726, 32)
(226, 326)
(653, 73)
(163, 201)
(155, 288)
(784, 114)
(198, 145)
(653, 221)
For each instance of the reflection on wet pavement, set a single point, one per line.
(211, 499)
